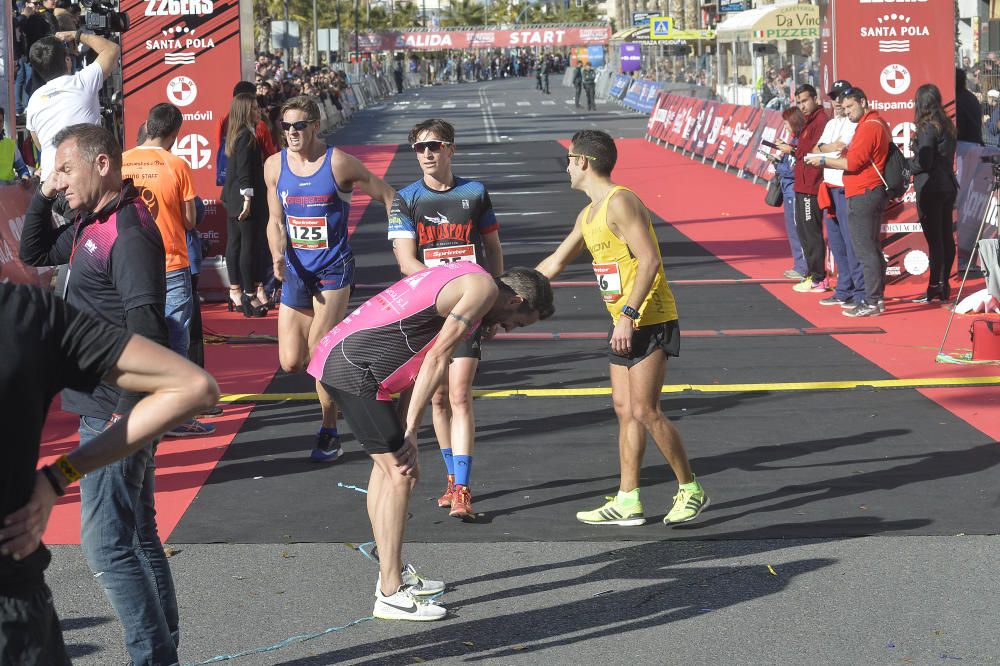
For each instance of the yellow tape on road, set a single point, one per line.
(847, 385)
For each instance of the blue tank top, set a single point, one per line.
(315, 211)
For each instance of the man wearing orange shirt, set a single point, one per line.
(165, 184)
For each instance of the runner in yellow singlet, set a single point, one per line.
(617, 230)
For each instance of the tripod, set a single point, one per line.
(989, 215)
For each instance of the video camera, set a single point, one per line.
(103, 19)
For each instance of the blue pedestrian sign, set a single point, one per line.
(660, 27)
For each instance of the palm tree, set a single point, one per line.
(462, 13)
(405, 14)
(583, 13)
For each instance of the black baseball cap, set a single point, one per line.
(838, 88)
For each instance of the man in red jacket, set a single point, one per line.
(808, 215)
(865, 188)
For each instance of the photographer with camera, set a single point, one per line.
(66, 99)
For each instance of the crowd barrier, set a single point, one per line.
(730, 135)
(725, 134)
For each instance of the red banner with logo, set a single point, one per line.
(738, 135)
(14, 200)
(186, 52)
(889, 49)
(483, 39)
(722, 115)
(769, 127)
(655, 123)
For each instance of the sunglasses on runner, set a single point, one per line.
(435, 146)
(299, 125)
(572, 155)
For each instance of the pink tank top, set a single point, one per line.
(377, 349)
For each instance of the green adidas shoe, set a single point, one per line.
(614, 513)
(687, 505)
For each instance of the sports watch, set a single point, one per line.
(630, 312)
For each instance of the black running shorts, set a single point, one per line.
(375, 423)
(646, 340)
(470, 347)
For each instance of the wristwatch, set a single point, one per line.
(630, 313)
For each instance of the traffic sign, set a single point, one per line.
(660, 27)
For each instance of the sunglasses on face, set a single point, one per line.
(299, 125)
(434, 146)
(569, 156)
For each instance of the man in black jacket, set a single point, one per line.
(968, 122)
(116, 274)
(577, 82)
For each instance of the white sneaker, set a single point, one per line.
(404, 606)
(419, 586)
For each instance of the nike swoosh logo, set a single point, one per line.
(405, 609)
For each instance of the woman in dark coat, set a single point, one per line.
(245, 197)
(936, 187)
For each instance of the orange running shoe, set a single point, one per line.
(461, 503)
(445, 500)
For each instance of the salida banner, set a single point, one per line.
(483, 39)
(889, 48)
(186, 52)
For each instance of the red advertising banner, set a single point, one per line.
(483, 39)
(722, 115)
(769, 127)
(674, 104)
(889, 49)
(186, 52)
(738, 136)
(680, 129)
(655, 123)
(14, 201)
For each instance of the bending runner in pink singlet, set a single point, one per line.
(405, 337)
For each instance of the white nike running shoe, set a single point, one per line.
(402, 605)
(419, 586)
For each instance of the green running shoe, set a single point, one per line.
(687, 505)
(613, 513)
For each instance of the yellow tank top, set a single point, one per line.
(615, 268)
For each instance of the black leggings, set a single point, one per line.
(196, 349)
(243, 251)
(935, 210)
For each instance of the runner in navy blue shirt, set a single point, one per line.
(443, 219)
(309, 187)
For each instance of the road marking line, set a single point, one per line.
(846, 385)
(448, 106)
(524, 103)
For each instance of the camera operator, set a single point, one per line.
(66, 98)
(116, 260)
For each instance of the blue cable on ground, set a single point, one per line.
(277, 646)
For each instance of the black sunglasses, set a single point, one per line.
(572, 155)
(435, 146)
(299, 125)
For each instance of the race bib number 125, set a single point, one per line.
(308, 233)
(609, 280)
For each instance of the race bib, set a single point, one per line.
(435, 256)
(308, 233)
(609, 280)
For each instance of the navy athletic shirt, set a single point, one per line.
(448, 226)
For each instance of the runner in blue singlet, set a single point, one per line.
(309, 188)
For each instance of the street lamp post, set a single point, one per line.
(357, 47)
(287, 40)
(315, 48)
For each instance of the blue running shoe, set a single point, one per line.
(327, 448)
(191, 429)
